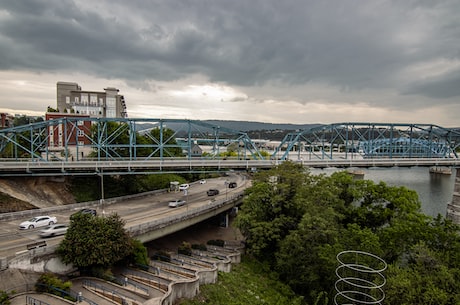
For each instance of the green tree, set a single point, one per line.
(270, 209)
(422, 278)
(299, 260)
(299, 223)
(95, 242)
(139, 255)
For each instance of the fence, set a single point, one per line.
(33, 301)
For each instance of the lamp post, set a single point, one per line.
(102, 192)
(186, 200)
(226, 189)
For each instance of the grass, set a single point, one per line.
(249, 283)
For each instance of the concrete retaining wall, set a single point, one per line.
(43, 259)
(453, 208)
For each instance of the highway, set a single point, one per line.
(134, 212)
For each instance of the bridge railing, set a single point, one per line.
(188, 213)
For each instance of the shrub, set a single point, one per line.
(185, 249)
(50, 283)
(216, 242)
(5, 297)
(199, 247)
(162, 256)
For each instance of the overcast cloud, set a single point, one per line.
(293, 61)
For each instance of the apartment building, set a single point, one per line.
(97, 104)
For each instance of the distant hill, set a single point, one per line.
(252, 126)
(255, 130)
(259, 130)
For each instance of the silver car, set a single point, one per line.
(38, 221)
(54, 230)
(176, 203)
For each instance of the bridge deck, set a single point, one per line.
(28, 168)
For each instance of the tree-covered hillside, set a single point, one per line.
(298, 223)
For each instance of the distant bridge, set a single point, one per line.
(74, 145)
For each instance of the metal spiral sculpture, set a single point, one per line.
(360, 278)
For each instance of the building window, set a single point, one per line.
(93, 100)
(84, 99)
(80, 133)
(111, 102)
(76, 100)
(110, 113)
(67, 99)
(80, 123)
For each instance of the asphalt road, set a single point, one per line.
(134, 211)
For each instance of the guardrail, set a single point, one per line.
(189, 213)
(111, 294)
(33, 301)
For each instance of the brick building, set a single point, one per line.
(77, 133)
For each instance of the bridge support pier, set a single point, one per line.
(224, 220)
(453, 208)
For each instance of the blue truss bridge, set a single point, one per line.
(72, 146)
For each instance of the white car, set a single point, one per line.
(184, 187)
(202, 181)
(38, 221)
(54, 230)
(176, 203)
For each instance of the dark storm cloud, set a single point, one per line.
(349, 44)
(438, 88)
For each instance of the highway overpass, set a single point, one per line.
(147, 215)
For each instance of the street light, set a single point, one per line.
(102, 192)
(186, 200)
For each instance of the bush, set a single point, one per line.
(162, 256)
(185, 249)
(199, 247)
(5, 297)
(50, 283)
(139, 255)
(216, 242)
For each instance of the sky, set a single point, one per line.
(291, 61)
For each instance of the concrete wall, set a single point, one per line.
(43, 259)
(453, 208)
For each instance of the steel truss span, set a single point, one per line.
(371, 140)
(77, 139)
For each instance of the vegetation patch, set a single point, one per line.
(216, 242)
(249, 283)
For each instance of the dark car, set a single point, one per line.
(212, 192)
(84, 211)
(232, 185)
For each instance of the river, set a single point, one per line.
(434, 190)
